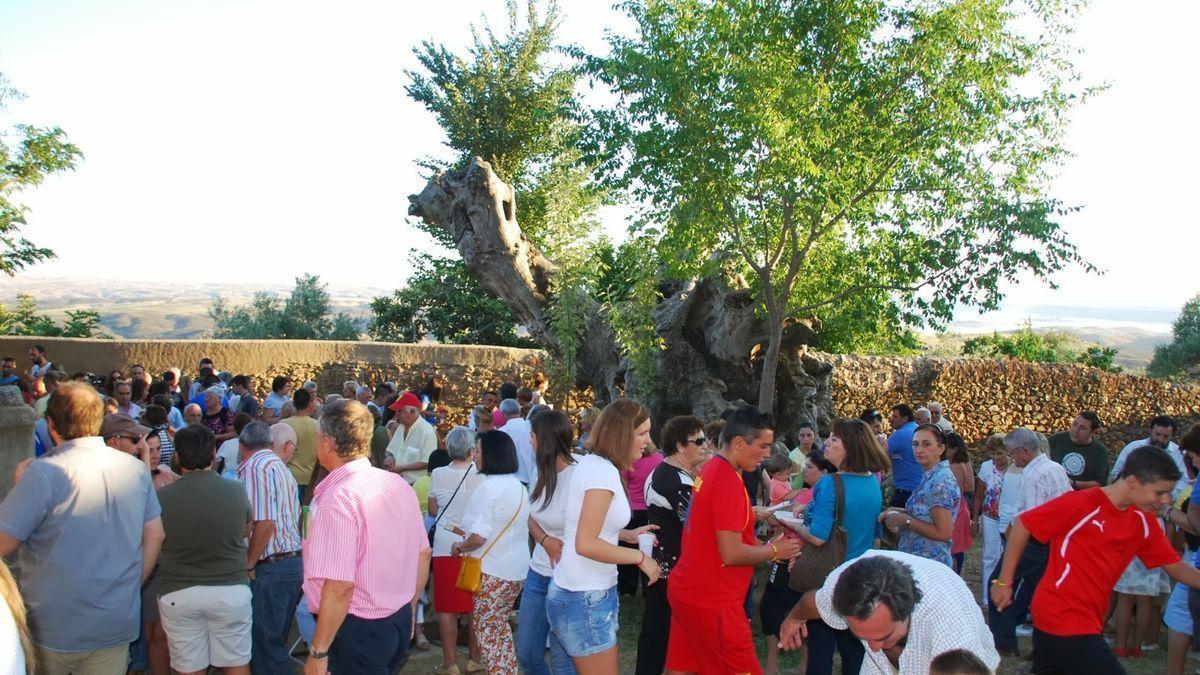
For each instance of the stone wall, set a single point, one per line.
(982, 396)
(979, 395)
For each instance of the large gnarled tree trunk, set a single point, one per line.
(714, 340)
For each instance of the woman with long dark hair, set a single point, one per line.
(551, 437)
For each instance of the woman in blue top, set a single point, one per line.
(926, 523)
(852, 448)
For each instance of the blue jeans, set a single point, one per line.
(585, 622)
(533, 627)
(275, 592)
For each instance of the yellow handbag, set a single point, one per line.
(470, 571)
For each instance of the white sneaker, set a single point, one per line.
(1024, 631)
(1149, 646)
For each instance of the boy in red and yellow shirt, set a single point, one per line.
(1093, 536)
(709, 629)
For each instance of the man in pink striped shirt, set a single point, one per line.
(366, 555)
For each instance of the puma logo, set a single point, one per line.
(1099, 525)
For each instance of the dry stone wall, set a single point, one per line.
(980, 396)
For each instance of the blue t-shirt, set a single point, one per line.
(906, 473)
(863, 501)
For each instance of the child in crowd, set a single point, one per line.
(1093, 536)
(958, 662)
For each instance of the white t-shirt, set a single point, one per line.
(442, 483)
(1010, 495)
(491, 508)
(230, 450)
(989, 476)
(575, 572)
(12, 656)
(552, 518)
(519, 430)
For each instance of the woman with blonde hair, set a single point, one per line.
(581, 602)
(16, 649)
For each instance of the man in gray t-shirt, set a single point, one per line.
(86, 520)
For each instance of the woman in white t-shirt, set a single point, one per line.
(581, 602)
(496, 526)
(16, 650)
(551, 437)
(450, 490)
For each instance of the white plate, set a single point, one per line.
(788, 519)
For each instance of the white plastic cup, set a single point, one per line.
(646, 542)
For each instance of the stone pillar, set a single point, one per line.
(16, 434)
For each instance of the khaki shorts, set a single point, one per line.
(107, 661)
(207, 625)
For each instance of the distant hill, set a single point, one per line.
(149, 312)
(1135, 345)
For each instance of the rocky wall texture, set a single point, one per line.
(980, 396)
(983, 396)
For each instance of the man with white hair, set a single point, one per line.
(273, 554)
(350, 389)
(283, 441)
(192, 414)
(936, 416)
(363, 396)
(413, 438)
(1042, 479)
(520, 431)
(923, 416)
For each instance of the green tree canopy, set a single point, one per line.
(886, 156)
(441, 299)
(24, 319)
(1027, 344)
(305, 315)
(36, 153)
(1183, 352)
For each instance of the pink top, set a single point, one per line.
(498, 418)
(365, 527)
(636, 477)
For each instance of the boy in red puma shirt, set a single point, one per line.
(1093, 535)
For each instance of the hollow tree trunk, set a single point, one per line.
(714, 341)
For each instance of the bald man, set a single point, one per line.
(283, 440)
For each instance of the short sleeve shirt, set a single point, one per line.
(1091, 544)
(719, 504)
(551, 516)
(204, 517)
(575, 572)
(993, 483)
(938, 489)
(863, 500)
(79, 511)
(1082, 462)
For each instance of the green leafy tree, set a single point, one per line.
(1027, 344)
(25, 320)
(1183, 352)
(305, 315)
(25, 160)
(891, 155)
(441, 299)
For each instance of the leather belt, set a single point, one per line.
(279, 556)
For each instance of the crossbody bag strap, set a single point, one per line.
(443, 509)
(510, 522)
(840, 490)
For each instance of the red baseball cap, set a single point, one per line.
(406, 400)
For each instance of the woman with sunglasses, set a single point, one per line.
(926, 523)
(668, 495)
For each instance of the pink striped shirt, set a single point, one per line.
(365, 527)
(272, 492)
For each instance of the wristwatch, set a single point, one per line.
(317, 654)
(908, 522)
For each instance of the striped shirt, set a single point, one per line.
(366, 528)
(272, 492)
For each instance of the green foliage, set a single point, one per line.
(1041, 347)
(442, 300)
(24, 320)
(1173, 359)
(305, 315)
(39, 152)
(505, 104)
(873, 163)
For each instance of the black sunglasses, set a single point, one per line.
(698, 442)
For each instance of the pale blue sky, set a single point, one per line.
(278, 133)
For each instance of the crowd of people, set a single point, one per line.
(177, 523)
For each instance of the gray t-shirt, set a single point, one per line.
(80, 510)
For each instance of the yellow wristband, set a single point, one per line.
(774, 552)
(997, 582)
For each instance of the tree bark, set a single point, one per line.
(715, 343)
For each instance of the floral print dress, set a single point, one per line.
(938, 488)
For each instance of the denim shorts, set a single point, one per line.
(585, 622)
